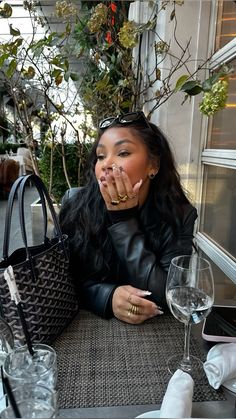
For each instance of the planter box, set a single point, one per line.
(37, 221)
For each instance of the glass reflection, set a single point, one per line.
(218, 218)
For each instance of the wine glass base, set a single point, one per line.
(194, 367)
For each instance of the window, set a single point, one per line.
(217, 226)
(226, 23)
(222, 133)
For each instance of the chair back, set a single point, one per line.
(9, 172)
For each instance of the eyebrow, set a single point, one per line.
(117, 144)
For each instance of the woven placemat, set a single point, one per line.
(111, 363)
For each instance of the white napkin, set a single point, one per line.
(177, 402)
(220, 365)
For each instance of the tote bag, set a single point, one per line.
(47, 292)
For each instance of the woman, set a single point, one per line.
(128, 222)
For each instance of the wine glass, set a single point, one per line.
(190, 296)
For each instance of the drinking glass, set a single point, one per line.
(6, 345)
(22, 368)
(190, 296)
(33, 401)
(6, 340)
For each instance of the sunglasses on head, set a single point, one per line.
(125, 119)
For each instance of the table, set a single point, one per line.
(222, 409)
(89, 376)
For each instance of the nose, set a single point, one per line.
(107, 163)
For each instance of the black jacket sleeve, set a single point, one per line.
(97, 297)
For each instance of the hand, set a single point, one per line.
(119, 190)
(130, 306)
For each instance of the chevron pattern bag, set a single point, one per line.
(47, 292)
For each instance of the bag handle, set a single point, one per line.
(9, 209)
(10, 204)
(8, 218)
(43, 192)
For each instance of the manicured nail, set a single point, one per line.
(140, 183)
(158, 311)
(143, 293)
(147, 292)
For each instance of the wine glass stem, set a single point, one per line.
(185, 363)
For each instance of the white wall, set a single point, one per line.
(182, 123)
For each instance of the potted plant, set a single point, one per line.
(100, 41)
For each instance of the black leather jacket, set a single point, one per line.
(135, 261)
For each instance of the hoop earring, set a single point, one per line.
(151, 176)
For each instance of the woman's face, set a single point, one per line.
(122, 147)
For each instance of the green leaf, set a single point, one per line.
(19, 42)
(14, 50)
(6, 10)
(68, 28)
(11, 68)
(3, 58)
(60, 62)
(58, 79)
(38, 52)
(55, 61)
(102, 84)
(186, 96)
(190, 85)
(14, 32)
(66, 64)
(52, 39)
(67, 76)
(208, 83)
(56, 72)
(125, 104)
(113, 58)
(215, 77)
(158, 74)
(28, 73)
(181, 81)
(194, 91)
(74, 76)
(172, 14)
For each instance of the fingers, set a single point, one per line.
(118, 193)
(133, 308)
(119, 183)
(131, 191)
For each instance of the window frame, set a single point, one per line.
(217, 157)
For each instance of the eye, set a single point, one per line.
(123, 153)
(100, 156)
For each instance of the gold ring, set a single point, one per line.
(134, 309)
(115, 202)
(123, 198)
(132, 196)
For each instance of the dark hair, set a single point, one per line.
(84, 217)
